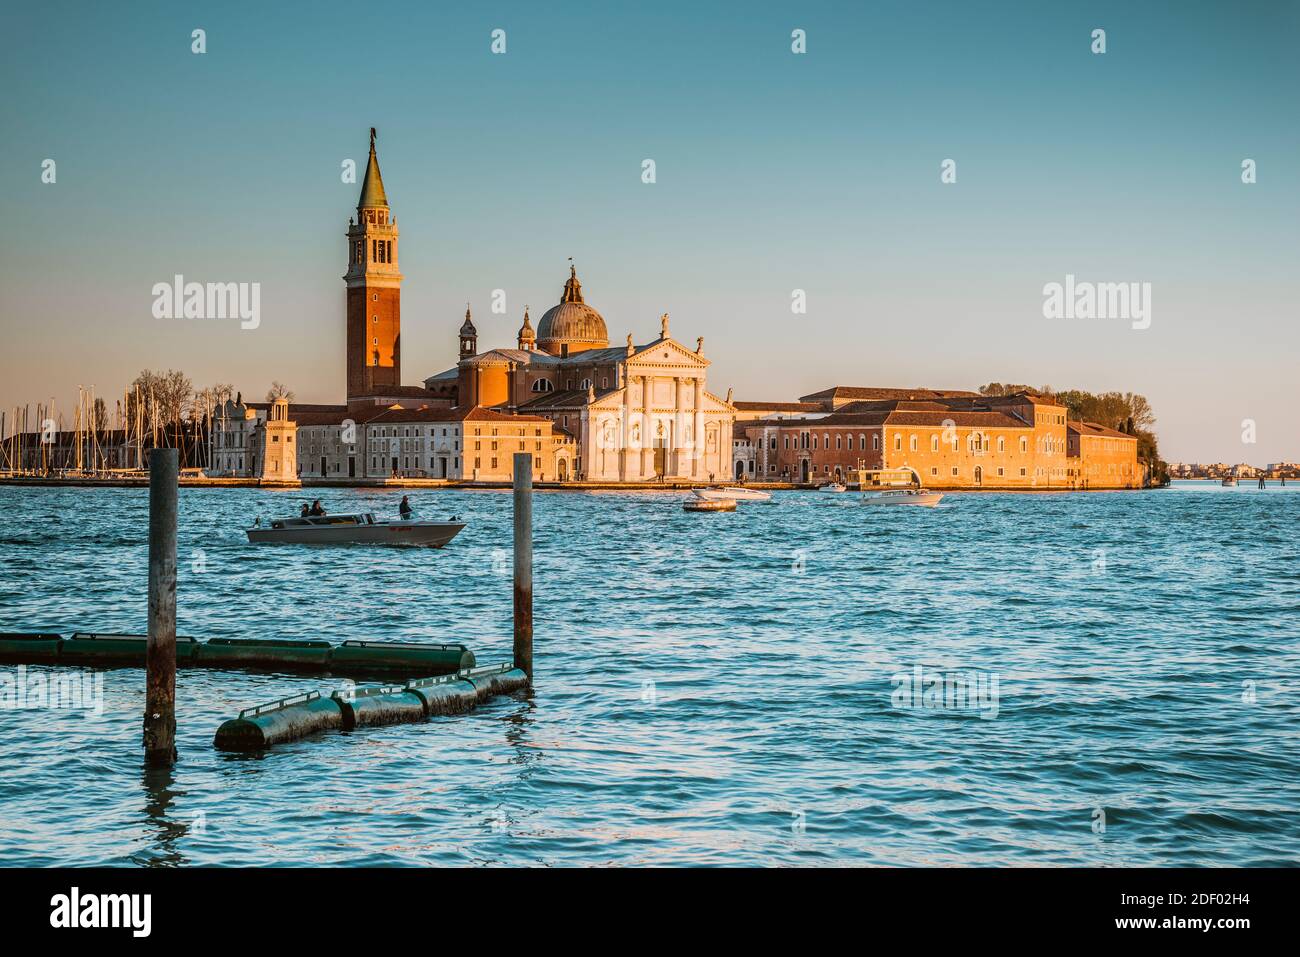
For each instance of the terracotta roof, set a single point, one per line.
(778, 406)
(367, 415)
(1092, 428)
(860, 392)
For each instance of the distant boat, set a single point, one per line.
(900, 486)
(709, 504)
(1229, 482)
(733, 493)
(355, 529)
(833, 487)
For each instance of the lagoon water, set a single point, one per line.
(711, 689)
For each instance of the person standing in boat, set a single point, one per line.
(404, 509)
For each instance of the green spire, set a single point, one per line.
(372, 187)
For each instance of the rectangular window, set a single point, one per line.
(954, 470)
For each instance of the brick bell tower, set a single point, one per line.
(374, 290)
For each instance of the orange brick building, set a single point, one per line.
(952, 439)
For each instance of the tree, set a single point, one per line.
(278, 390)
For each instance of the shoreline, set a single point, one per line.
(43, 481)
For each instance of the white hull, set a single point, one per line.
(833, 488)
(902, 497)
(733, 493)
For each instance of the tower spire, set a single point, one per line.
(372, 185)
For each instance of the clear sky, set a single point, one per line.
(775, 172)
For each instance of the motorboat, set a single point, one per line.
(1230, 481)
(833, 487)
(902, 496)
(897, 486)
(360, 528)
(709, 504)
(735, 493)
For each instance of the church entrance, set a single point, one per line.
(562, 470)
(740, 471)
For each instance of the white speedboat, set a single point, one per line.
(1229, 482)
(896, 486)
(357, 529)
(733, 492)
(833, 487)
(902, 496)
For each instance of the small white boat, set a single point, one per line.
(1229, 482)
(833, 487)
(902, 496)
(733, 492)
(898, 486)
(356, 529)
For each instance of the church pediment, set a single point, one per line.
(665, 353)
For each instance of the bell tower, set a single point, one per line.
(374, 290)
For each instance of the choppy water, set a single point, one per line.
(711, 689)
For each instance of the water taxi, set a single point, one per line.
(833, 487)
(734, 493)
(361, 528)
(899, 486)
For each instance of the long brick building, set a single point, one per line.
(953, 439)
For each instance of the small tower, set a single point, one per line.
(468, 336)
(527, 338)
(278, 453)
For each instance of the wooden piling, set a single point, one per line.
(524, 563)
(160, 652)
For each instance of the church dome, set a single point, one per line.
(572, 323)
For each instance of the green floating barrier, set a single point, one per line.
(92, 648)
(377, 705)
(401, 657)
(449, 694)
(272, 653)
(21, 647)
(453, 694)
(286, 719)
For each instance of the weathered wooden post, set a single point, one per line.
(524, 563)
(160, 653)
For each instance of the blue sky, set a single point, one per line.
(775, 172)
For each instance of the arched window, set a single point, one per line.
(862, 442)
(543, 385)
(1024, 444)
(837, 443)
(1002, 444)
(585, 384)
(875, 441)
(912, 444)
(934, 443)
